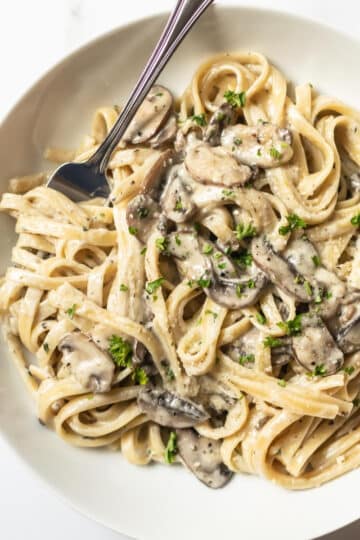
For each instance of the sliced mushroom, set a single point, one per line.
(155, 174)
(142, 215)
(279, 270)
(328, 289)
(214, 165)
(238, 291)
(91, 366)
(351, 173)
(283, 353)
(227, 287)
(202, 456)
(264, 145)
(151, 116)
(245, 347)
(166, 134)
(315, 346)
(185, 248)
(346, 324)
(176, 198)
(170, 410)
(224, 116)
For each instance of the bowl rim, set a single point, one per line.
(284, 14)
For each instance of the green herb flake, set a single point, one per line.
(328, 295)
(243, 258)
(274, 153)
(177, 240)
(190, 283)
(235, 99)
(152, 286)
(316, 260)
(261, 319)
(258, 153)
(222, 266)
(237, 141)
(204, 282)
(246, 359)
(178, 206)
(245, 231)
(291, 327)
(120, 351)
(71, 311)
(209, 312)
(251, 284)
(123, 287)
(282, 383)
(319, 371)
(139, 376)
(355, 220)
(199, 119)
(133, 230)
(143, 251)
(169, 373)
(294, 222)
(308, 288)
(142, 212)
(207, 249)
(46, 347)
(239, 289)
(171, 448)
(356, 402)
(349, 370)
(161, 243)
(228, 193)
(270, 341)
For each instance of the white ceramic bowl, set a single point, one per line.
(158, 503)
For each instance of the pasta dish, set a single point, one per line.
(208, 313)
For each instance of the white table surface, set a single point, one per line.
(34, 34)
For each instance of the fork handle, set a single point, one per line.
(183, 17)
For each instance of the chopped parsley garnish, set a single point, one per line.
(132, 230)
(282, 383)
(123, 287)
(245, 231)
(355, 220)
(208, 249)
(291, 327)
(46, 347)
(243, 258)
(139, 376)
(274, 153)
(120, 351)
(237, 141)
(270, 341)
(178, 205)
(143, 251)
(316, 260)
(349, 370)
(308, 288)
(251, 284)
(235, 99)
(161, 243)
(239, 289)
(190, 283)
(199, 119)
(204, 282)
(228, 193)
(319, 371)
(196, 227)
(171, 448)
(152, 286)
(71, 311)
(246, 359)
(294, 222)
(142, 212)
(209, 312)
(261, 319)
(222, 266)
(177, 240)
(159, 94)
(169, 373)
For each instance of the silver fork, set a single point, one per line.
(82, 181)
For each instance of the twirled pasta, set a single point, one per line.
(80, 268)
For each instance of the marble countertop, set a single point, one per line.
(34, 35)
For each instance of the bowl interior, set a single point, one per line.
(155, 503)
